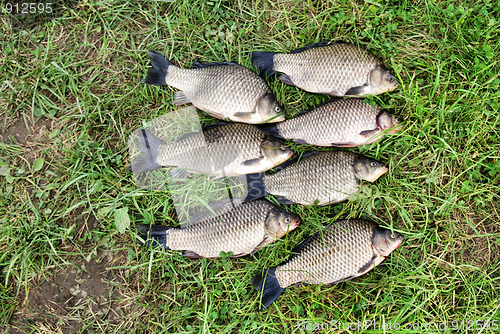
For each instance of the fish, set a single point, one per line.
(344, 250)
(337, 69)
(222, 150)
(317, 178)
(223, 90)
(241, 230)
(340, 123)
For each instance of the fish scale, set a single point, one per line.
(239, 230)
(330, 64)
(328, 177)
(337, 253)
(221, 149)
(337, 69)
(335, 123)
(223, 90)
(344, 250)
(202, 87)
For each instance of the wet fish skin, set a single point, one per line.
(221, 149)
(321, 177)
(241, 230)
(344, 250)
(222, 90)
(337, 69)
(340, 123)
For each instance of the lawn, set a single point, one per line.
(71, 94)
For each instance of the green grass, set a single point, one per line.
(70, 85)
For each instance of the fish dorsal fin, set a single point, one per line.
(328, 228)
(312, 45)
(214, 209)
(317, 106)
(197, 64)
(203, 129)
(187, 135)
(296, 249)
(295, 159)
(214, 125)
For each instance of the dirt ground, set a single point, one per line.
(84, 290)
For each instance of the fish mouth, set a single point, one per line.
(395, 129)
(382, 171)
(277, 118)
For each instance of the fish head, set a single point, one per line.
(381, 81)
(276, 151)
(385, 241)
(280, 222)
(386, 120)
(368, 169)
(269, 109)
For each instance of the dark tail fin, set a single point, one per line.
(256, 187)
(270, 128)
(264, 62)
(156, 75)
(156, 232)
(267, 283)
(148, 144)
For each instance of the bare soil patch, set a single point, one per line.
(70, 298)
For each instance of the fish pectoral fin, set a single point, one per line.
(345, 279)
(244, 116)
(239, 255)
(260, 245)
(367, 267)
(180, 99)
(283, 200)
(179, 174)
(286, 79)
(343, 144)
(359, 90)
(191, 255)
(300, 284)
(300, 141)
(252, 162)
(369, 133)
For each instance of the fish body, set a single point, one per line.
(336, 69)
(221, 149)
(344, 250)
(322, 178)
(341, 123)
(241, 230)
(222, 90)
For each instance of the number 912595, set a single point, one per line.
(27, 8)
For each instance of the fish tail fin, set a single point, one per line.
(267, 283)
(148, 144)
(264, 62)
(271, 129)
(156, 232)
(256, 187)
(156, 75)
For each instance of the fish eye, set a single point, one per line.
(287, 220)
(283, 149)
(390, 78)
(373, 164)
(278, 109)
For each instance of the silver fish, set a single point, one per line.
(344, 250)
(222, 90)
(321, 177)
(221, 149)
(341, 123)
(336, 69)
(242, 230)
